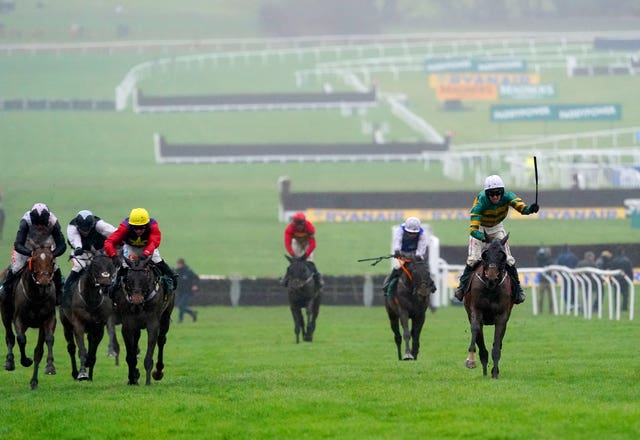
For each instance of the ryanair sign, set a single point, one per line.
(482, 78)
(399, 215)
(467, 92)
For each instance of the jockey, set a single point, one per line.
(300, 241)
(86, 234)
(409, 238)
(39, 220)
(139, 235)
(490, 208)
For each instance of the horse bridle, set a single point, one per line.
(35, 274)
(155, 284)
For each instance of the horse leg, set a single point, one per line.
(158, 374)
(50, 329)
(484, 354)
(114, 345)
(38, 351)
(298, 322)
(21, 337)
(416, 329)
(312, 313)
(131, 338)
(406, 335)
(152, 340)
(10, 340)
(395, 328)
(94, 337)
(71, 345)
(496, 351)
(476, 330)
(78, 331)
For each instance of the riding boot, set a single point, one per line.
(390, 283)
(167, 271)
(57, 281)
(118, 281)
(317, 278)
(464, 279)
(66, 289)
(518, 294)
(6, 288)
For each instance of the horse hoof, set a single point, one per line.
(157, 375)
(9, 366)
(34, 385)
(26, 362)
(83, 376)
(408, 357)
(111, 353)
(470, 364)
(50, 370)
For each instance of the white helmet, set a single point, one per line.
(493, 181)
(412, 224)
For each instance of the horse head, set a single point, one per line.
(418, 276)
(41, 265)
(101, 271)
(140, 282)
(494, 261)
(298, 273)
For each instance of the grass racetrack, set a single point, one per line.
(237, 373)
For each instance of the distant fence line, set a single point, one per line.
(254, 101)
(265, 153)
(596, 293)
(452, 38)
(57, 104)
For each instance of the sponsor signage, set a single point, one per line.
(482, 78)
(560, 112)
(471, 65)
(450, 65)
(527, 91)
(467, 92)
(426, 215)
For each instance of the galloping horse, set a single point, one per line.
(410, 303)
(489, 302)
(32, 305)
(88, 313)
(302, 294)
(143, 301)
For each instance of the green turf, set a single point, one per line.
(560, 377)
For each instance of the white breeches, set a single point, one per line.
(299, 249)
(128, 250)
(18, 261)
(476, 246)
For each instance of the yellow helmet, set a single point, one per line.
(138, 217)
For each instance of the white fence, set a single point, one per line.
(581, 291)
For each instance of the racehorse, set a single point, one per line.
(144, 301)
(410, 303)
(88, 312)
(32, 305)
(489, 301)
(302, 294)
